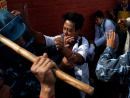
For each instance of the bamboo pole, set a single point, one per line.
(58, 73)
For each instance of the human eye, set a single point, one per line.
(69, 30)
(64, 28)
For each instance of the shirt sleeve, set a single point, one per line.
(110, 69)
(97, 34)
(50, 41)
(84, 48)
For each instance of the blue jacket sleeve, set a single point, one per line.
(110, 69)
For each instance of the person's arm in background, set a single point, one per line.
(108, 68)
(97, 33)
(41, 68)
(113, 13)
(39, 37)
(97, 36)
(108, 26)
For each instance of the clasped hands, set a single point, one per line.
(67, 63)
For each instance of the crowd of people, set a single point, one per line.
(69, 52)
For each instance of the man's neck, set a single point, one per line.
(124, 7)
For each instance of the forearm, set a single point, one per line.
(110, 69)
(100, 41)
(113, 16)
(62, 66)
(47, 92)
(39, 38)
(67, 53)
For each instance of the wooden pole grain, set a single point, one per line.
(58, 73)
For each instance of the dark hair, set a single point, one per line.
(76, 18)
(99, 14)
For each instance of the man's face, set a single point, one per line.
(98, 21)
(69, 29)
(124, 3)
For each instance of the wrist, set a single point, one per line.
(63, 49)
(47, 91)
(61, 66)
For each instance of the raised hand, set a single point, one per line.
(111, 40)
(111, 11)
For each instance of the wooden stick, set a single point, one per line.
(58, 73)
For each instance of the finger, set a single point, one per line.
(51, 64)
(47, 60)
(71, 39)
(107, 36)
(34, 66)
(76, 59)
(119, 21)
(67, 45)
(59, 41)
(72, 61)
(41, 61)
(71, 57)
(45, 55)
(66, 37)
(36, 61)
(12, 11)
(110, 34)
(71, 67)
(114, 35)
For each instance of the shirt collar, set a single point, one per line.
(78, 38)
(124, 8)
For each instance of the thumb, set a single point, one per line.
(45, 55)
(119, 21)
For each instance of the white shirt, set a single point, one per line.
(81, 71)
(100, 34)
